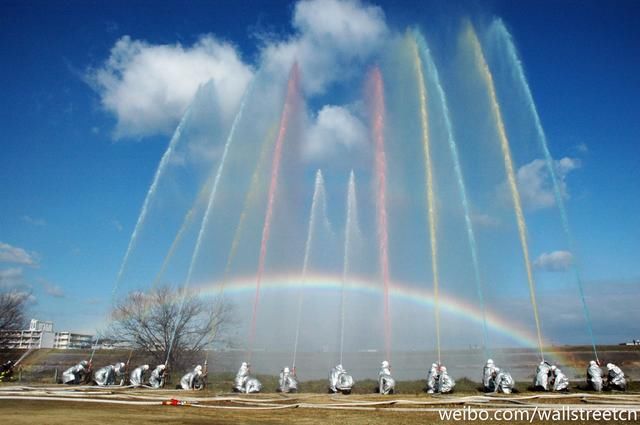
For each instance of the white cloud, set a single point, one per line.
(51, 289)
(15, 255)
(333, 37)
(334, 127)
(148, 87)
(10, 277)
(535, 185)
(485, 220)
(556, 261)
(34, 221)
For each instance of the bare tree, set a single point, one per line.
(153, 322)
(13, 305)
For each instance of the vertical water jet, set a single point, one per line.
(292, 93)
(211, 201)
(481, 63)
(376, 87)
(319, 200)
(430, 195)
(432, 71)
(499, 29)
(351, 229)
(164, 161)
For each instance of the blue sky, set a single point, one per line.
(77, 159)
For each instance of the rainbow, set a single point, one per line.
(399, 291)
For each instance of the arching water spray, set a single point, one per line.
(377, 92)
(500, 31)
(318, 201)
(186, 222)
(432, 71)
(292, 93)
(431, 209)
(351, 229)
(164, 161)
(248, 201)
(481, 63)
(210, 203)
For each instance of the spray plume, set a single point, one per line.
(498, 28)
(376, 87)
(292, 93)
(481, 63)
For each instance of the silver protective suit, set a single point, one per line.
(137, 375)
(560, 381)
(432, 379)
(156, 380)
(594, 376)
(445, 382)
(287, 382)
(541, 380)
(119, 371)
(488, 376)
(105, 376)
(252, 386)
(340, 380)
(503, 382)
(241, 378)
(386, 383)
(191, 380)
(615, 378)
(74, 374)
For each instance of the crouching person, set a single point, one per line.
(245, 383)
(615, 378)
(386, 383)
(445, 382)
(287, 382)
(594, 376)
(105, 376)
(340, 380)
(191, 380)
(157, 377)
(137, 376)
(560, 380)
(541, 380)
(503, 381)
(75, 374)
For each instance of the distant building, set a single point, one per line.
(41, 335)
(72, 341)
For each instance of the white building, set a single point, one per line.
(72, 341)
(39, 335)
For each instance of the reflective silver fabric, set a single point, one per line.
(339, 380)
(560, 380)
(287, 381)
(616, 379)
(74, 374)
(189, 380)
(253, 386)
(504, 383)
(157, 377)
(541, 380)
(105, 376)
(432, 380)
(386, 383)
(137, 376)
(594, 376)
(241, 378)
(488, 378)
(445, 382)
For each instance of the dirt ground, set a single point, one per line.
(312, 410)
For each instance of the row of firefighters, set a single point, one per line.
(547, 378)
